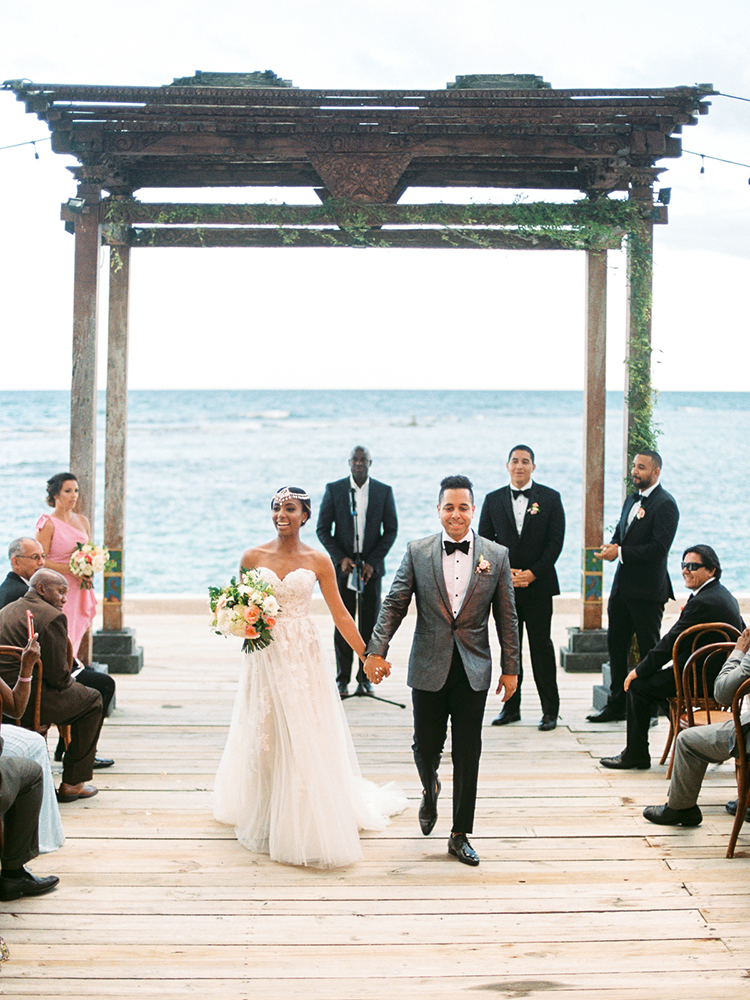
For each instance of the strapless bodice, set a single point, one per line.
(293, 593)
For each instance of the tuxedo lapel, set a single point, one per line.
(437, 568)
(531, 500)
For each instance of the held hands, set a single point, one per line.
(522, 577)
(743, 643)
(608, 552)
(376, 668)
(509, 682)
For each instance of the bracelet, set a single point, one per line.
(25, 680)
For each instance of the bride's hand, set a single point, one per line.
(376, 668)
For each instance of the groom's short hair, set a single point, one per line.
(456, 483)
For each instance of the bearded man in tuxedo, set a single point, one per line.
(529, 520)
(641, 587)
(457, 578)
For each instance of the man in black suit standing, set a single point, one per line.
(362, 557)
(530, 521)
(641, 586)
(647, 686)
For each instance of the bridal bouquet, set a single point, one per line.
(247, 609)
(87, 559)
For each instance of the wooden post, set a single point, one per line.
(594, 410)
(638, 385)
(116, 433)
(83, 400)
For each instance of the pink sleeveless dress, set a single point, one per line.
(80, 606)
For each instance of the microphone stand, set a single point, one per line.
(359, 586)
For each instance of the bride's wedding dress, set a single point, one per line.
(289, 781)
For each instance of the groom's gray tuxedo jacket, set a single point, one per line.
(421, 574)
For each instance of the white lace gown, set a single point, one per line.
(289, 781)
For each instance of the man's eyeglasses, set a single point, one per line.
(692, 567)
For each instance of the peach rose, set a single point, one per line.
(251, 614)
(251, 632)
(270, 621)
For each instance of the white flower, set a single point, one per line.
(270, 605)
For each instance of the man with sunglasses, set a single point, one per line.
(652, 681)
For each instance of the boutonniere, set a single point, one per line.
(534, 508)
(641, 513)
(482, 566)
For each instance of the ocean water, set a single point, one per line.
(203, 465)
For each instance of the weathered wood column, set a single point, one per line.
(83, 400)
(638, 404)
(594, 414)
(116, 433)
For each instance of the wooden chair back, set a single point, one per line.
(741, 762)
(700, 707)
(35, 723)
(694, 637)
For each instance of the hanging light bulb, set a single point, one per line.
(703, 164)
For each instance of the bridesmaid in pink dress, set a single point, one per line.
(58, 534)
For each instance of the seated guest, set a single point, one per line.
(26, 557)
(20, 742)
(703, 745)
(647, 686)
(20, 796)
(64, 701)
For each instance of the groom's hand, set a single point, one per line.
(376, 668)
(509, 682)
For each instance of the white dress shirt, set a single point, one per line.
(361, 495)
(457, 570)
(520, 503)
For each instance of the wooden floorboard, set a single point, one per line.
(576, 894)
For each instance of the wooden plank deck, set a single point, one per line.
(576, 893)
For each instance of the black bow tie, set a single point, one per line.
(520, 493)
(450, 547)
(639, 496)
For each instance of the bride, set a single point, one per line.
(289, 781)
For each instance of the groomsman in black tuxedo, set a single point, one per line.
(641, 586)
(530, 521)
(377, 525)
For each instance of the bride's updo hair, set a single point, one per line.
(293, 493)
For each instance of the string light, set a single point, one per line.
(29, 142)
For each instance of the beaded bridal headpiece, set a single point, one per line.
(293, 493)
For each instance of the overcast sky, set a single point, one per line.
(386, 318)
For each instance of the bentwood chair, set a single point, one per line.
(700, 707)
(693, 637)
(742, 768)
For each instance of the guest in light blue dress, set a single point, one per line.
(19, 742)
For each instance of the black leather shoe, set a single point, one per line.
(459, 847)
(505, 717)
(548, 723)
(59, 751)
(624, 763)
(343, 691)
(428, 808)
(364, 687)
(607, 714)
(673, 817)
(731, 808)
(26, 885)
(100, 762)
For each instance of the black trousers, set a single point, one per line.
(535, 615)
(629, 616)
(369, 606)
(97, 680)
(644, 696)
(465, 707)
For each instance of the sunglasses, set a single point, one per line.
(691, 567)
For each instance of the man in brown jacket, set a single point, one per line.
(64, 701)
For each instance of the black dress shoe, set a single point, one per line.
(100, 762)
(459, 847)
(673, 817)
(607, 714)
(622, 762)
(25, 885)
(343, 691)
(548, 723)
(428, 808)
(364, 688)
(731, 808)
(59, 751)
(505, 717)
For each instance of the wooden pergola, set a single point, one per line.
(359, 150)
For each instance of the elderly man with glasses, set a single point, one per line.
(26, 557)
(648, 685)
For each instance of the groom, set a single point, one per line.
(457, 577)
